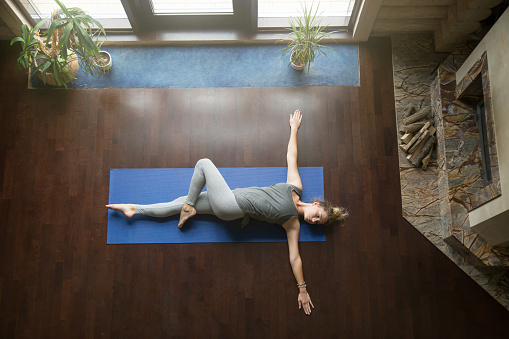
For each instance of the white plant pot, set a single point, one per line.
(297, 67)
(105, 55)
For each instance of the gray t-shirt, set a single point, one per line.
(273, 204)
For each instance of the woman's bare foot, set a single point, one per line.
(187, 212)
(128, 209)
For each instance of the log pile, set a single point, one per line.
(417, 135)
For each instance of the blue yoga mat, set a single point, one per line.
(155, 185)
(212, 66)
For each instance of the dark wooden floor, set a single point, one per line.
(376, 278)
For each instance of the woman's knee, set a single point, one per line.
(203, 162)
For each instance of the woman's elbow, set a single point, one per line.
(295, 259)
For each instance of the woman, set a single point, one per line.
(279, 204)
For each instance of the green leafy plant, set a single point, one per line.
(70, 36)
(305, 37)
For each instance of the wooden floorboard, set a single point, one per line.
(375, 278)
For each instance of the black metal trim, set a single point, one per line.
(484, 143)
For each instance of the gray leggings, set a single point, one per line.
(217, 200)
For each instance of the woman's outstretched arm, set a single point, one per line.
(292, 228)
(293, 176)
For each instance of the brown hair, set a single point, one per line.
(335, 214)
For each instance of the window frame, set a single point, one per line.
(279, 24)
(141, 20)
(111, 24)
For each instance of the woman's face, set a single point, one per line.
(315, 214)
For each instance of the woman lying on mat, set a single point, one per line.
(279, 204)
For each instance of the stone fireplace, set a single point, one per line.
(461, 182)
(440, 201)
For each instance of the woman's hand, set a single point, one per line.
(295, 120)
(305, 301)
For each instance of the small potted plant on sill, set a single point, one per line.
(56, 54)
(304, 38)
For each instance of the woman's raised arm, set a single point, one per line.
(293, 176)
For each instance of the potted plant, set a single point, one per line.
(56, 54)
(305, 37)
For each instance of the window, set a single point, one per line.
(275, 13)
(203, 7)
(159, 15)
(110, 13)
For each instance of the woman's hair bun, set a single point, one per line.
(339, 215)
(335, 214)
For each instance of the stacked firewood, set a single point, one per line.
(417, 135)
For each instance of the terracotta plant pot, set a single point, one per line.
(72, 67)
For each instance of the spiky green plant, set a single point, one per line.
(70, 34)
(306, 34)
